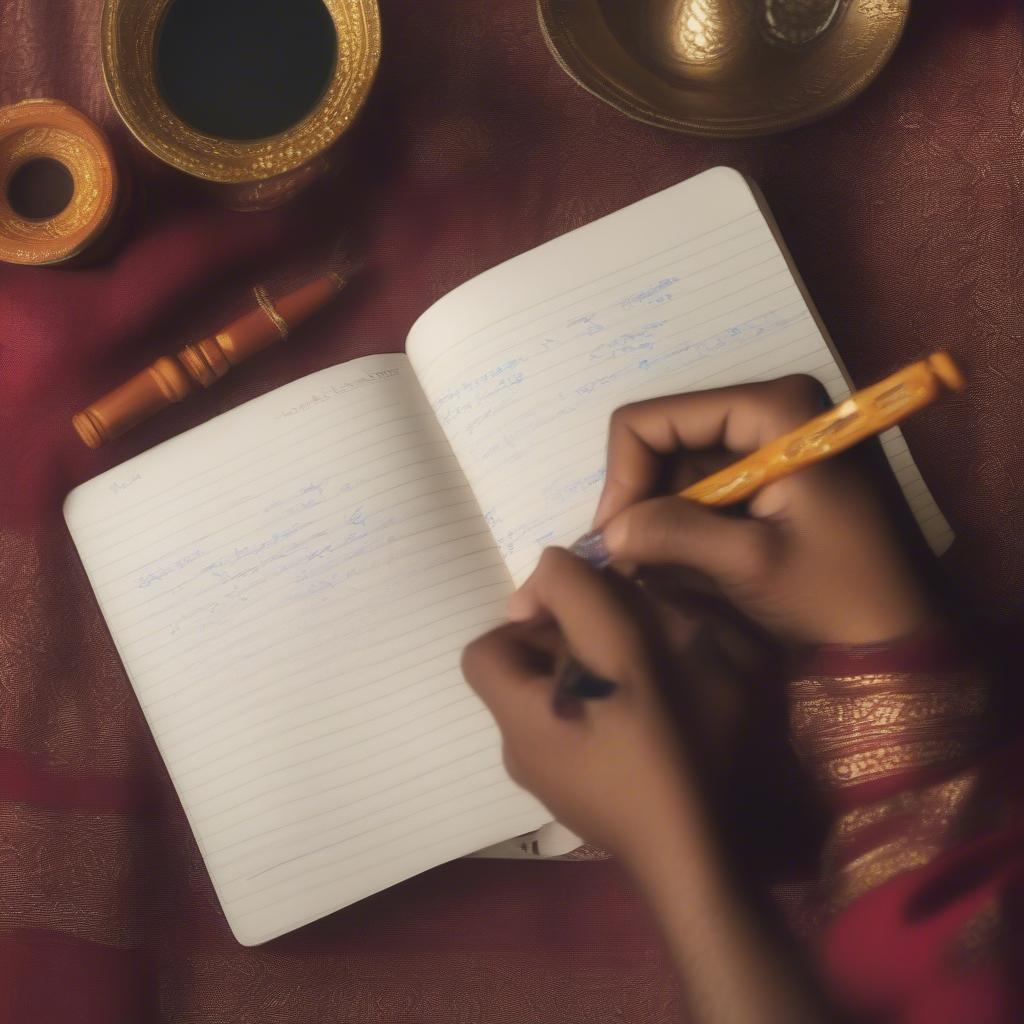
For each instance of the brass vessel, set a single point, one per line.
(724, 68)
(48, 130)
(256, 172)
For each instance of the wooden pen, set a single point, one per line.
(173, 378)
(864, 414)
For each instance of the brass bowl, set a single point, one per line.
(129, 38)
(708, 67)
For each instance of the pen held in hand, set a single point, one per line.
(864, 414)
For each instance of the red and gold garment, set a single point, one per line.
(924, 864)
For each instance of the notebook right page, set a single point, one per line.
(685, 290)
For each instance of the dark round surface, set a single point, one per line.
(244, 69)
(39, 189)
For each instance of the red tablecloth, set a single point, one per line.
(905, 215)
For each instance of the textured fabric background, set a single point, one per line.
(904, 213)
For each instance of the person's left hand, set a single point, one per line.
(614, 772)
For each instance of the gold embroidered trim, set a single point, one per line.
(893, 759)
(855, 729)
(268, 307)
(876, 867)
(934, 806)
(927, 819)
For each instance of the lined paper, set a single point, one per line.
(290, 587)
(685, 290)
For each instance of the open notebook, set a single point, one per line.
(290, 585)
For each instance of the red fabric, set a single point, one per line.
(939, 942)
(903, 212)
(905, 952)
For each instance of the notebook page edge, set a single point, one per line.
(930, 519)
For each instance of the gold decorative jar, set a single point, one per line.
(59, 186)
(205, 86)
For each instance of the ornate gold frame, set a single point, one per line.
(756, 93)
(129, 31)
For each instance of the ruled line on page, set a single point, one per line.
(599, 286)
(196, 727)
(404, 790)
(442, 775)
(239, 805)
(161, 593)
(242, 466)
(372, 853)
(483, 350)
(227, 648)
(233, 752)
(207, 712)
(259, 926)
(187, 526)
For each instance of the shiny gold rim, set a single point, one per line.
(40, 128)
(890, 15)
(129, 32)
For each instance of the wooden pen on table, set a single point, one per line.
(862, 415)
(199, 365)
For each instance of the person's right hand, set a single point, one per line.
(815, 560)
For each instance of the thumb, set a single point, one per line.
(674, 531)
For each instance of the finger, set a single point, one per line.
(510, 669)
(688, 468)
(739, 419)
(604, 619)
(672, 531)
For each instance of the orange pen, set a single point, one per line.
(862, 415)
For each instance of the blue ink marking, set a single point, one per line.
(168, 570)
(652, 296)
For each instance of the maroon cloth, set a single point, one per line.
(904, 213)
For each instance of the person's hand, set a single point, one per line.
(815, 559)
(614, 771)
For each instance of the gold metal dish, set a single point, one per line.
(724, 68)
(129, 38)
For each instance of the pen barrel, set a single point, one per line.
(170, 378)
(298, 306)
(157, 386)
(272, 321)
(863, 415)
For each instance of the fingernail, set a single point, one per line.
(591, 548)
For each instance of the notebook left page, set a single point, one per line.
(289, 587)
